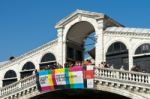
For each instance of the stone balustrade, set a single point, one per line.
(20, 88)
(135, 82)
(123, 75)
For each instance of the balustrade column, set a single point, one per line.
(117, 75)
(1, 82)
(149, 79)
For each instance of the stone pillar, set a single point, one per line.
(99, 51)
(1, 82)
(60, 47)
(18, 73)
(130, 59)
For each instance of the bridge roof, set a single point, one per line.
(94, 15)
(128, 30)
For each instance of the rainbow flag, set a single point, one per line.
(43, 79)
(76, 77)
(64, 78)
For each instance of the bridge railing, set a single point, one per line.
(123, 75)
(100, 73)
(17, 86)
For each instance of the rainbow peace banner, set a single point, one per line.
(64, 78)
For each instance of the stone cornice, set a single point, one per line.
(75, 14)
(28, 54)
(128, 34)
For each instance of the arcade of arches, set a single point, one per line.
(28, 68)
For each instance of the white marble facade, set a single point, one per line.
(107, 31)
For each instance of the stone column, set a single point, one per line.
(18, 72)
(130, 59)
(60, 47)
(0, 82)
(99, 51)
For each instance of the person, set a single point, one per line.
(46, 67)
(102, 65)
(122, 68)
(66, 65)
(135, 68)
(105, 65)
(59, 65)
(37, 80)
(112, 66)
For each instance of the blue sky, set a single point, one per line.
(27, 24)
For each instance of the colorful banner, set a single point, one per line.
(44, 80)
(64, 78)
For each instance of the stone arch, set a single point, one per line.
(66, 28)
(119, 56)
(144, 48)
(142, 59)
(104, 93)
(48, 59)
(9, 77)
(74, 34)
(76, 40)
(139, 44)
(124, 41)
(121, 92)
(72, 23)
(27, 69)
(86, 29)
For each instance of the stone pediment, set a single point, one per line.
(94, 15)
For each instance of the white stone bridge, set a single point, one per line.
(133, 85)
(113, 43)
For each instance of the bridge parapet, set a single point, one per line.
(19, 89)
(105, 79)
(134, 82)
(123, 75)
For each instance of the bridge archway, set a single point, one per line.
(117, 55)
(142, 57)
(9, 77)
(27, 69)
(76, 41)
(48, 61)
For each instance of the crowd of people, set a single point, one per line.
(69, 64)
(66, 65)
(78, 63)
(135, 68)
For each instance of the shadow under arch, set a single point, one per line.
(117, 55)
(48, 59)
(9, 77)
(79, 93)
(27, 69)
(75, 39)
(142, 57)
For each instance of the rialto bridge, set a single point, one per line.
(113, 43)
